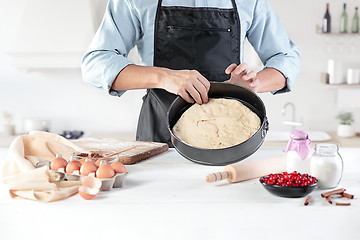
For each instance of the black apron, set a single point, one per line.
(204, 39)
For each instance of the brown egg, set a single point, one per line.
(88, 167)
(118, 167)
(84, 159)
(90, 187)
(88, 193)
(97, 163)
(58, 162)
(105, 170)
(91, 182)
(73, 166)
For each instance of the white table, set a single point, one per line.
(167, 197)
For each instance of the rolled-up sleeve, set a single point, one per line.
(268, 37)
(107, 54)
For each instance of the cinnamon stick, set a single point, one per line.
(337, 191)
(329, 199)
(343, 204)
(347, 195)
(307, 201)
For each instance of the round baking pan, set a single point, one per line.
(221, 156)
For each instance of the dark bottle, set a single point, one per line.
(326, 23)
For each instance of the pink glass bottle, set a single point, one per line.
(298, 152)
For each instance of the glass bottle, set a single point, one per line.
(298, 149)
(355, 22)
(343, 20)
(326, 165)
(326, 23)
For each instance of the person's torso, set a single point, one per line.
(197, 37)
(147, 10)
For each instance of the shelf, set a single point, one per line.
(337, 34)
(324, 79)
(342, 86)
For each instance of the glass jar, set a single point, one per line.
(298, 152)
(326, 165)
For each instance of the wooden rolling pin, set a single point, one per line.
(251, 169)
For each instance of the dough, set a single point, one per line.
(220, 123)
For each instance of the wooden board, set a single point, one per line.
(142, 150)
(138, 150)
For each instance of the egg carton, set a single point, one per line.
(107, 183)
(115, 182)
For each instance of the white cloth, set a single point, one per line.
(24, 180)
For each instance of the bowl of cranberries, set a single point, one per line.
(291, 185)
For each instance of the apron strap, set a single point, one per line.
(232, 2)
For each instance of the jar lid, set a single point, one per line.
(326, 148)
(298, 135)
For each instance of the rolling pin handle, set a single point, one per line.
(218, 176)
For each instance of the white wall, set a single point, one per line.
(60, 95)
(315, 103)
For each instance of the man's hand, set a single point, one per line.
(241, 76)
(267, 80)
(189, 84)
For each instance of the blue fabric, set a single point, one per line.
(127, 23)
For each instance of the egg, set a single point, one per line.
(90, 187)
(105, 170)
(118, 167)
(84, 159)
(87, 167)
(91, 182)
(73, 166)
(88, 193)
(97, 163)
(58, 162)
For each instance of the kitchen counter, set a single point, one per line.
(167, 197)
(6, 140)
(350, 142)
(129, 136)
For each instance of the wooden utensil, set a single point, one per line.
(120, 151)
(251, 169)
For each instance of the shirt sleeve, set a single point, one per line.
(268, 37)
(107, 54)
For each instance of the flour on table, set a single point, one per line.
(220, 123)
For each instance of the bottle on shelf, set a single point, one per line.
(343, 20)
(326, 23)
(355, 22)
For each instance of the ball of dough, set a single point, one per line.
(220, 123)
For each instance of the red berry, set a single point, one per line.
(293, 179)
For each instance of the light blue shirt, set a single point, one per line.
(127, 23)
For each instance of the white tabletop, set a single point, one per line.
(167, 197)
